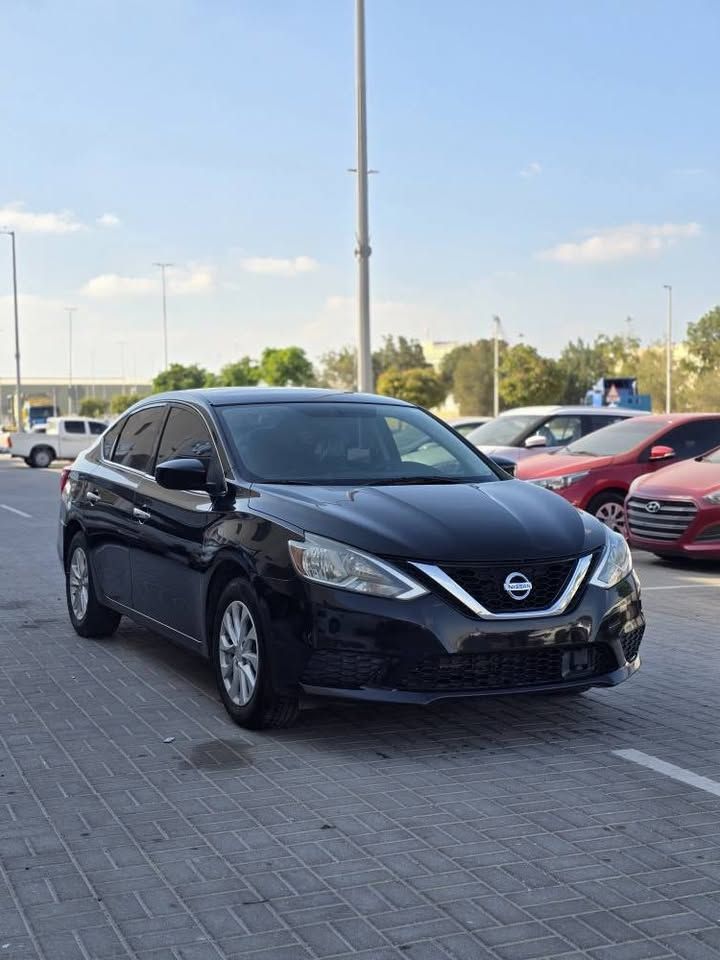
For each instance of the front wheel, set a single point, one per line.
(609, 508)
(87, 615)
(241, 658)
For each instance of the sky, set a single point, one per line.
(554, 163)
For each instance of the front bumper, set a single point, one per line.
(431, 649)
(701, 539)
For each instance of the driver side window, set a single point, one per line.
(561, 430)
(187, 437)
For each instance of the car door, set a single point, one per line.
(175, 544)
(106, 500)
(73, 438)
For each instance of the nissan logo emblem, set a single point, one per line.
(652, 507)
(517, 586)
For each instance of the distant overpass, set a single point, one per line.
(56, 388)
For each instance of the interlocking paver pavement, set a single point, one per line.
(497, 829)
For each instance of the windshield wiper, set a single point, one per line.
(581, 453)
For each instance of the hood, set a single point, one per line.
(512, 453)
(505, 520)
(687, 478)
(558, 464)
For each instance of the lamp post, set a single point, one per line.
(163, 267)
(70, 311)
(363, 251)
(18, 385)
(668, 351)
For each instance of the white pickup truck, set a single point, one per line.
(64, 438)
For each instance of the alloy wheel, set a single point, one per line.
(612, 515)
(79, 576)
(239, 653)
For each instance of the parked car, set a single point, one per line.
(466, 425)
(284, 535)
(62, 438)
(595, 473)
(676, 511)
(527, 431)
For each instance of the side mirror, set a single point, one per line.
(182, 474)
(661, 452)
(536, 440)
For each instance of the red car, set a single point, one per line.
(595, 472)
(676, 512)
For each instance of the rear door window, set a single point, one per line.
(74, 426)
(135, 447)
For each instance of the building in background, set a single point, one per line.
(57, 392)
(436, 350)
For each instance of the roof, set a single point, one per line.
(542, 411)
(224, 396)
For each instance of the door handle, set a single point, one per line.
(140, 514)
(93, 496)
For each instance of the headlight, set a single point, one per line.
(615, 563)
(560, 483)
(336, 565)
(713, 497)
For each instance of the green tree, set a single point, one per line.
(241, 373)
(421, 385)
(468, 370)
(121, 401)
(286, 366)
(401, 355)
(705, 394)
(338, 368)
(527, 378)
(582, 364)
(181, 377)
(703, 341)
(93, 407)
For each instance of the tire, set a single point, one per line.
(41, 457)
(27, 461)
(605, 507)
(240, 655)
(89, 618)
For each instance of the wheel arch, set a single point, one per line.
(226, 569)
(71, 528)
(613, 491)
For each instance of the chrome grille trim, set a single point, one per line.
(561, 604)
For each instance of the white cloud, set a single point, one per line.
(621, 243)
(108, 285)
(14, 216)
(279, 266)
(195, 278)
(108, 220)
(531, 170)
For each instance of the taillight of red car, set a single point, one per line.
(64, 477)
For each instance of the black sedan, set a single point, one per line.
(286, 536)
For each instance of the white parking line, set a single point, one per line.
(20, 513)
(684, 586)
(670, 770)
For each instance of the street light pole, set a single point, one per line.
(496, 367)
(363, 251)
(70, 311)
(668, 352)
(163, 267)
(18, 385)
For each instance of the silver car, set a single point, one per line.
(525, 431)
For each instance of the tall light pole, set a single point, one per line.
(496, 366)
(163, 267)
(18, 385)
(70, 311)
(362, 251)
(668, 352)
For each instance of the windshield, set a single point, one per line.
(505, 431)
(616, 439)
(347, 443)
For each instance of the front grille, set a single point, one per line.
(343, 669)
(506, 670)
(668, 522)
(631, 643)
(484, 582)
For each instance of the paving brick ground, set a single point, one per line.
(496, 829)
